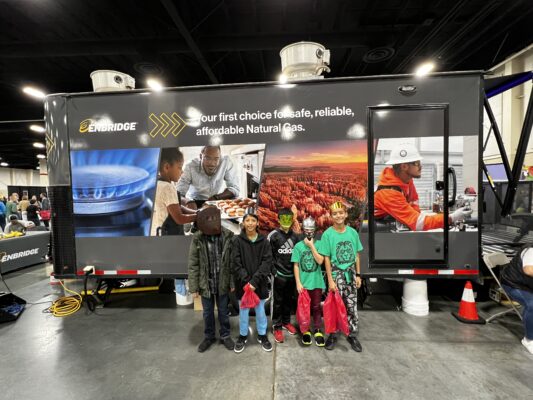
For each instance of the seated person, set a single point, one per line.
(517, 280)
(396, 194)
(15, 225)
(209, 177)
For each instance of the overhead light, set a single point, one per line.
(37, 128)
(283, 79)
(41, 156)
(31, 91)
(39, 145)
(4, 164)
(38, 167)
(425, 69)
(154, 84)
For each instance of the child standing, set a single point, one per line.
(210, 274)
(340, 246)
(282, 240)
(308, 275)
(252, 263)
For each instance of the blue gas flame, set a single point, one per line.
(96, 174)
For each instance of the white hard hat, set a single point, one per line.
(404, 153)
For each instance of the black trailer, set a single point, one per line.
(305, 143)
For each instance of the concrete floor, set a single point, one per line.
(149, 352)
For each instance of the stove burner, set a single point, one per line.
(104, 189)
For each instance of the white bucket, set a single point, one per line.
(415, 297)
(183, 296)
(184, 300)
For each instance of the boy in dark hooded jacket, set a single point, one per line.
(252, 263)
(210, 274)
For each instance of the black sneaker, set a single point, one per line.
(331, 342)
(205, 345)
(265, 343)
(239, 345)
(306, 339)
(356, 346)
(319, 338)
(228, 343)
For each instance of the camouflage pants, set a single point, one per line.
(348, 292)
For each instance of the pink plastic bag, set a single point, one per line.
(303, 312)
(342, 316)
(249, 299)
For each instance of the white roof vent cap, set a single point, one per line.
(304, 60)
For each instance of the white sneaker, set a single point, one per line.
(528, 344)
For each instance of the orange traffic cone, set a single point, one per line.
(467, 309)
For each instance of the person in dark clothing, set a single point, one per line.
(282, 240)
(210, 274)
(517, 280)
(252, 263)
(45, 206)
(32, 213)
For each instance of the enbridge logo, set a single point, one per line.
(14, 256)
(90, 125)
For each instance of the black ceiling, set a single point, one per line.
(56, 44)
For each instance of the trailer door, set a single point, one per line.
(408, 228)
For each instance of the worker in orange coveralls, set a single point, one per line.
(396, 193)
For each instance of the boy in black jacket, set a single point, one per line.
(282, 240)
(252, 263)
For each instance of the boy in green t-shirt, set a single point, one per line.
(340, 245)
(308, 275)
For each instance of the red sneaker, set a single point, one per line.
(290, 328)
(278, 336)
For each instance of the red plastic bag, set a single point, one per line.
(45, 214)
(303, 312)
(330, 313)
(342, 316)
(249, 299)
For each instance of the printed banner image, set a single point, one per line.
(312, 176)
(113, 191)
(421, 161)
(193, 177)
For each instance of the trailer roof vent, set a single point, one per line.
(304, 60)
(105, 80)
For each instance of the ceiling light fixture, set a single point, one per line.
(41, 156)
(154, 84)
(31, 91)
(39, 145)
(37, 128)
(283, 79)
(4, 164)
(425, 69)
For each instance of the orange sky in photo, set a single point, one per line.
(318, 153)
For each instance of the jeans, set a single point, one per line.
(525, 298)
(208, 305)
(283, 299)
(260, 319)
